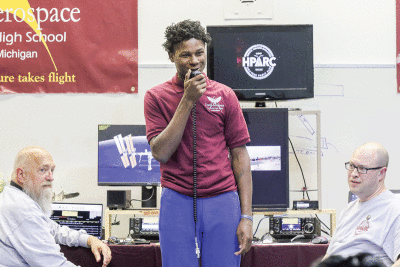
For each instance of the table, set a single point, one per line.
(283, 255)
(274, 255)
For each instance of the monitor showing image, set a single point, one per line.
(269, 157)
(124, 156)
(79, 216)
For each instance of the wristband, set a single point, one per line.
(243, 216)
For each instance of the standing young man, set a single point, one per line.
(224, 187)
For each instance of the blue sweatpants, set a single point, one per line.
(218, 218)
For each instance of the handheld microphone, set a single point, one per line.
(194, 73)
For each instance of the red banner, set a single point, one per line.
(68, 46)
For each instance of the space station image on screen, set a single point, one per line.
(124, 156)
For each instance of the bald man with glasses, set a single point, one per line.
(370, 224)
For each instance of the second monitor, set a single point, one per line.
(269, 155)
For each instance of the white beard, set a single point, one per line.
(42, 196)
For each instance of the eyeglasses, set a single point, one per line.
(363, 170)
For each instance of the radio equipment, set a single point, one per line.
(143, 228)
(287, 228)
(305, 204)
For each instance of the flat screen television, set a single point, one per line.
(124, 157)
(263, 62)
(269, 157)
(79, 216)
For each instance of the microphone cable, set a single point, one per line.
(193, 74)
(195, 181)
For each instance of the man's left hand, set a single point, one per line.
(244, 234)
(98, 248)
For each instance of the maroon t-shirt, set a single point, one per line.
(220, 126)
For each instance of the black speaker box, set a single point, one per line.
(118, 199)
